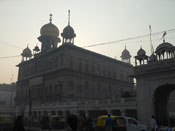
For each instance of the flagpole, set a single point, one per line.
(152, 50)
(163, 37)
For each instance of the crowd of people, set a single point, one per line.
(73, 123)
(19, 124)
(156, 127)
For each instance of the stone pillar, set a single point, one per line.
(64, 113)
(109, 111)
(49, 113)
(122, 112)
(77, 113)
(42, 113)
(39, 115)
(86, 113)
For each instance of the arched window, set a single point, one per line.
(104, 71)
(121, 75)
(109, 90)
(56, 62)
(80, 65)
(71, 62)
(50, 90)
(51, 63)
(99, 69)
(92, 91)
(71, 86)
(109, 72)
(99, 90)
(55, 91)
(60, 86)
(61, 60)
(87, 88)
(86, 66)
(46, 91)
(105, 93)
(114, 74)
(80, 89)
(93, 68)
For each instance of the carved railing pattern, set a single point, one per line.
(155, 66)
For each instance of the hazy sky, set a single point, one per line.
(94, 22)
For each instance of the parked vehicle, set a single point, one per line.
(120, 124)
(6, 123)
(133, 125)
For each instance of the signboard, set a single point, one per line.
(36, 81)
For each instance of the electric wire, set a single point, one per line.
(131, 38)
(6, 43)
(5, 57)
(105, 43)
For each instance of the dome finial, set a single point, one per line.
(125, 46)
(68, 17)
(50, 18)
(163, 36)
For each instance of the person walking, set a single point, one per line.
(153, 124)
(45, 123)
(72, 121)
(109, 123)
(19, 125)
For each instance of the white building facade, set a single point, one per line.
(155, 76)
(57, 75)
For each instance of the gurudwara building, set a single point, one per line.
(63, 79)
(155, 77)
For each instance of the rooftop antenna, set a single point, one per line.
(68, 17)
(152, 49)
(11, 99)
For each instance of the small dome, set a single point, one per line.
(141, 52)
(152, 57)
(27, 52)
(68, 32)
(49, 29)
(125, 54)
(164, 47)
(36, 48)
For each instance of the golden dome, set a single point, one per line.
(49, 29)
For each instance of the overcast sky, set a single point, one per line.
(94, 22)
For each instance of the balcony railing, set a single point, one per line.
(106, 102)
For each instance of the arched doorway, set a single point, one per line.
(160, 99)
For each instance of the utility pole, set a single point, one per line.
(12, 88)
